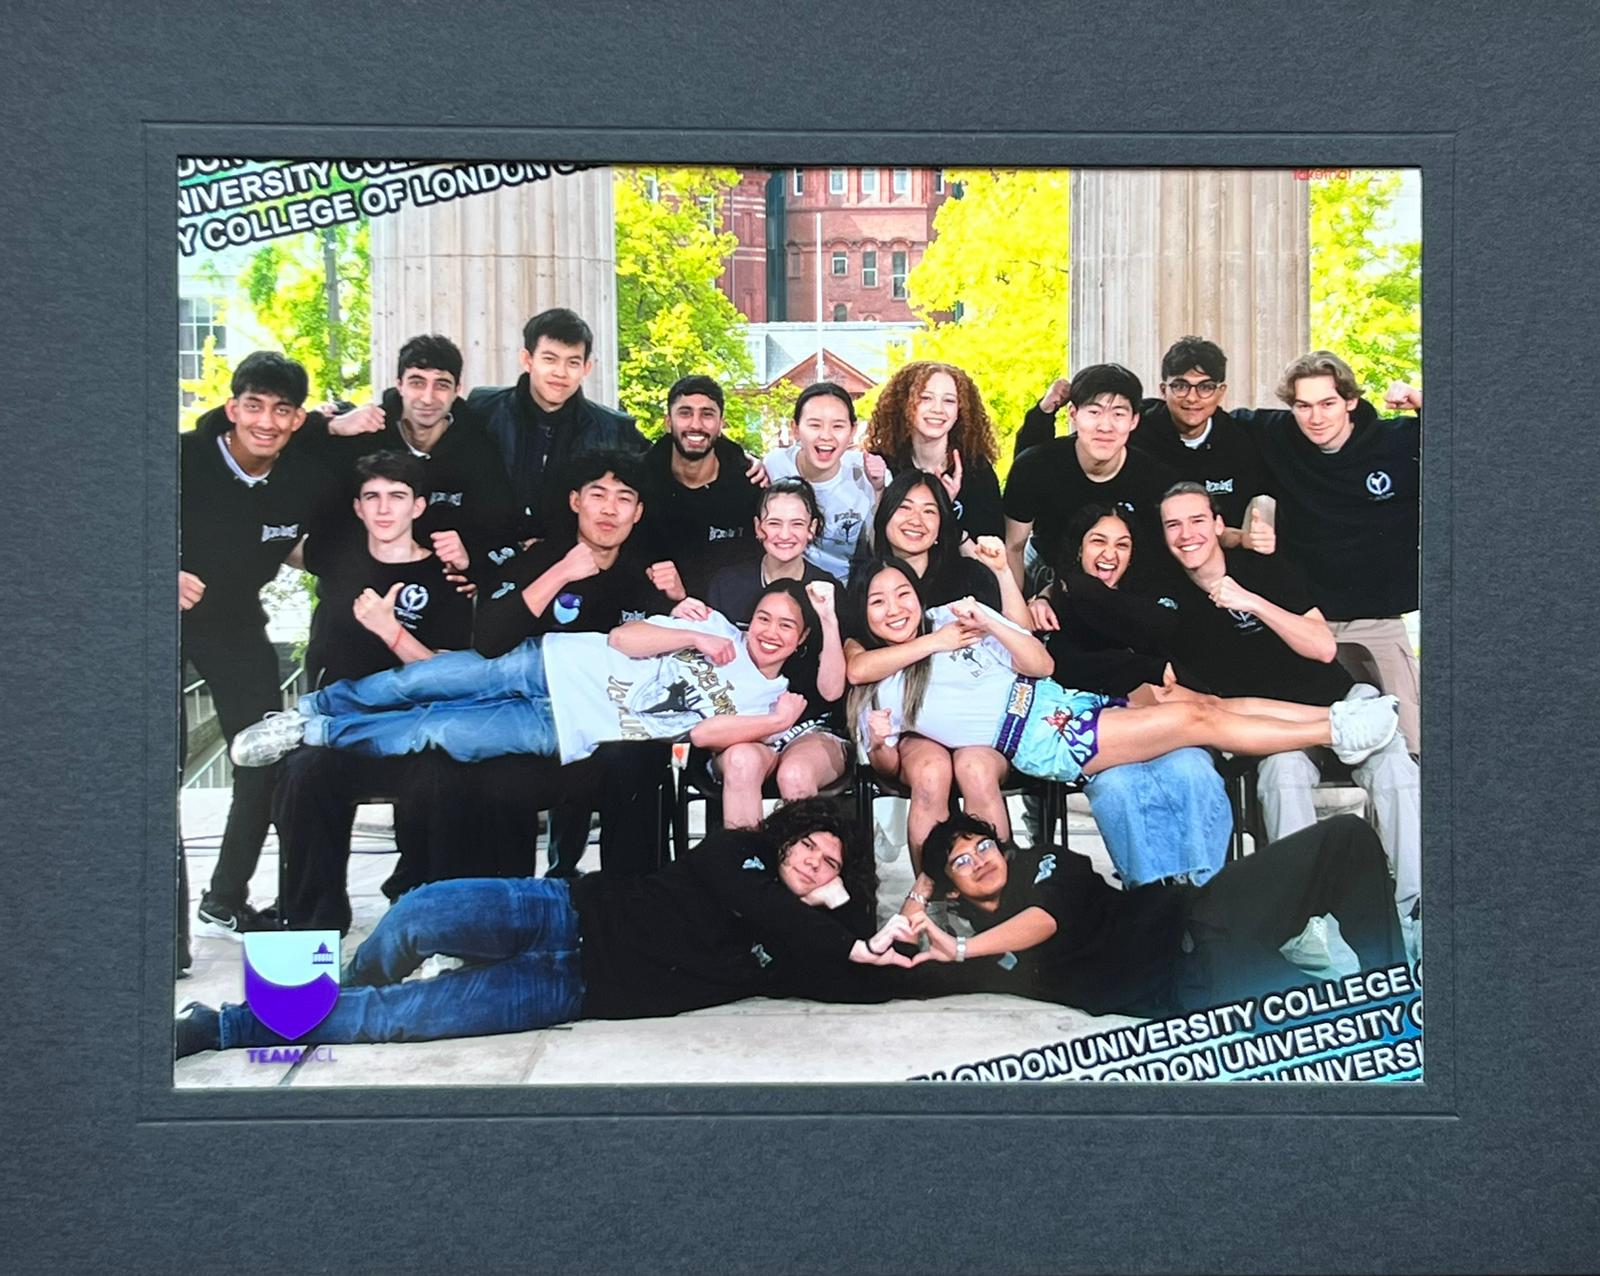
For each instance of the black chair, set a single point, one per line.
(1052, 795)
(1240, 778)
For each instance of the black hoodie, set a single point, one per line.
(467, 489)
(1352, 517)
(698, 528)
(713, 927)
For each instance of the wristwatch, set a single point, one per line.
(961, 948)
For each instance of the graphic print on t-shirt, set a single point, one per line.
(676, 693)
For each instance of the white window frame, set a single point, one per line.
(839, 263)
(899, 268)
(869, 267)
(836, 181)
(901, 181)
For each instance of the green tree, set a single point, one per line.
(311, 292)
(1366, 288)
(992, 287)
(671, 318)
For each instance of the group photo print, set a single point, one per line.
(648, 624)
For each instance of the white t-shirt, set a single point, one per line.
(968, 691)
(847, 501)
(598, 694)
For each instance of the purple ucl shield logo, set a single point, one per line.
(291, 978)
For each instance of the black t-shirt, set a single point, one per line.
(234, 535)
(1047, 487)
(467, 490)
(713, 927)
(697, 528)
(1227, 462)
(428, 607)
(979, 511)
(596, 604)
(1350, 518)
(1236, 653)
(734, 589)
(1110, 640)
(1114, 952)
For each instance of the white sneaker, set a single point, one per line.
(1362, 691)
(1361, 727)
(884, 847)
(275, 736)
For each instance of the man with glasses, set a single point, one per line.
(1189, 431)
(1048, 926)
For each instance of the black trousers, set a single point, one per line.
(1242, 916)
(241, 669)
(314, 807)
(626, 780)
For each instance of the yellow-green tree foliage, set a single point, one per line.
(672, 321)
(1366, 289)
(287, 281)
(999, 252)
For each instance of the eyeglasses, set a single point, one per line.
(967, 859)
(1183, 389)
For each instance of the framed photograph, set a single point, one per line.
(119, 1154)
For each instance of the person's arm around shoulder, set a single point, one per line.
(714, 638)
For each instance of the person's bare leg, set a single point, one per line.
(925, 769)
(744, 769)
(809, 765)
(1288, 710)
(1137, 735)
(979, 773)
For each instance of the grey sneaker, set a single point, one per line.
(274, 737)
(1361, 727)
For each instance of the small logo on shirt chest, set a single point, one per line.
(413, 598)
(445, 498)
(279, 532)
(1379, 485)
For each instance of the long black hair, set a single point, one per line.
(860, 699)
(944, 555)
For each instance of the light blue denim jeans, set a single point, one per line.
(1168, 817)
(519, 936)
(457, 701)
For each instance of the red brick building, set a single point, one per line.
(875, 225)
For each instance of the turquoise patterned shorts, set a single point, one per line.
(1062, 731)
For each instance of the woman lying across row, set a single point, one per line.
(966, 676)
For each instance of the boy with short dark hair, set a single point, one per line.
(1050, 482)
(245, 502)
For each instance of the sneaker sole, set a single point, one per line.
(215, 929)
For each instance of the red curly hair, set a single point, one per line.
(889, 434)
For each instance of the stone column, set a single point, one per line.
(477, 268)
(1220, 253)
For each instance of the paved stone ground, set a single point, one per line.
(758, 1040)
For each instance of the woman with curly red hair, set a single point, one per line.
(931, 416)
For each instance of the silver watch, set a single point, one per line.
(961, 948)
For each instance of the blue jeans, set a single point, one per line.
(457, 701)
(519, 936)
(1168, 817)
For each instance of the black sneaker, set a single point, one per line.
(230, 919)
(197, 1027)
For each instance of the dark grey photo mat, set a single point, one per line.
(1490, 1164)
